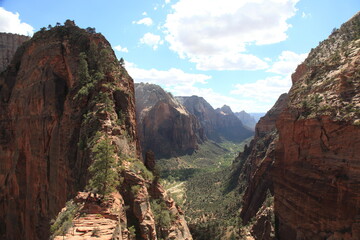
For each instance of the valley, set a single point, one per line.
(200, 184)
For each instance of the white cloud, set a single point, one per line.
(121, 49)
(167, 78)
(151, 40)
(11, 23)
(167, 1)
(144, 13)
(287, 62)
(180, 83)
(236, 61)
(265, 91)
(146, 21)
(221, 29)
(305, 15)
(216, 99)
(267, 59)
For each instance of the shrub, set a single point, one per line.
(64, 219)
(132, 233)
(135, 189)
(162, 215)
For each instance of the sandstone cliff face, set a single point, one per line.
(63, 88)
(165, 126)
(311, 164)
(316, 177)
(256, 162)
(217, 124)
(9, 42)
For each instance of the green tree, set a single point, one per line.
(103, 170)
(122, 62)
(83, 69)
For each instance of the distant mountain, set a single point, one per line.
(174, 126)
(165, 126)
(248, 120)
(257, 116)
(217, 124)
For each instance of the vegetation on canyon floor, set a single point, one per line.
(199, 184)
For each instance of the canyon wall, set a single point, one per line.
(311, 166)
(63, 92)
(165, 126)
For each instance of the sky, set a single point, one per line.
(235, 52)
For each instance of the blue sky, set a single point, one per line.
(235, 52)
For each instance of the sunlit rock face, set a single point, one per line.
(312, 165)
(165, 126)
(48, 116)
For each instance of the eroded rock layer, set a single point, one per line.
(314, 163)
(317, 168)
(63, 92)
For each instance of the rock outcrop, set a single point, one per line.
(248, 120)
(165, 126)
(9, 42)
(255, 163)
(64, 92)
(217, 124)
(311, 165)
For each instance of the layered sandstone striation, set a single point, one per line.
(313, 161)
(165, 126)
(63, 92)
(254, 165)
(9, 42)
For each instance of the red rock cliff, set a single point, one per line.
(314, 172)
(62, 88)
(165, 126)
(317, 177)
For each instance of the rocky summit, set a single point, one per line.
(165, 126)
(63, 96)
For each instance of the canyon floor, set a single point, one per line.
(200, 184)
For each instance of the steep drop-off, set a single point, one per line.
(165, 126)
(313, 163)
(63, 92)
